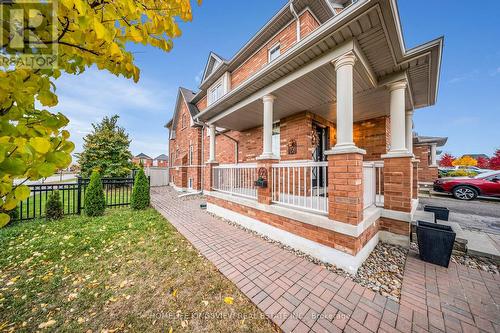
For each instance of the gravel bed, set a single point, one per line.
(481, 263)
(382, 271)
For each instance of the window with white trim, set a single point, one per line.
(276, 139)
(190, 183)
(191, 154)
(216, 92)
(274, 52)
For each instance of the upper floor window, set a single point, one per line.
(274, 52)
(216, 92)
(183, 121)
(190, 154)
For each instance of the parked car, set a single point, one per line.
(468, 188)
(466, 168)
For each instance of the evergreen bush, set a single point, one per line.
(53, 207)
(140, 193)
(95, 203)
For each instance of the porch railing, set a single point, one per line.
(372, 183)
(301, 185)
(237, 179)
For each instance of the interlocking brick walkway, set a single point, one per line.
(300, 296)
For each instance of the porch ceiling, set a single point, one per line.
(314, 92)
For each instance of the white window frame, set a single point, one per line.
(275, 47)
(191, 150)
(212, 95)
(190, 183)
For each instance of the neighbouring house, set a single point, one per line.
(142, 159)
(425, 150)
(161, 161)
(305, 134)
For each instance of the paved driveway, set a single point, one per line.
(483, 214)
(300, 296)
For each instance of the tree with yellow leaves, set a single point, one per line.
(465, 161)
(44, 38)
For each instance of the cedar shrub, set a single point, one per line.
(54, 208)
(95, 204)
(140, 193)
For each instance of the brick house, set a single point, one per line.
(425, 150)
(143, 159)
(161, 161)
(318, 107)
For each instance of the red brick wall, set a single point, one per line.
(162, 164)
(398, 183)
(425, 173)
(181, 170)
(202, 104)
(373, 135)
(287, 38)
(224, 147)
(349, 244)
(307, 24)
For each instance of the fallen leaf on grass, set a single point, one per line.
(228, 300)
(47, 324)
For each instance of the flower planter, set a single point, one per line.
(260, 183)
(435, 242)
(440, 213)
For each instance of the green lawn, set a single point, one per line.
(125, 271)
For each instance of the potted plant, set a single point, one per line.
(261, 182)
(440, 213)
(435, 242)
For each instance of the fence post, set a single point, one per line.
(79, 204)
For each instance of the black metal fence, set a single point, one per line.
(117, 192)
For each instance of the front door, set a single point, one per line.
(320, 141)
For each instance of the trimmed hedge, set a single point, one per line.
(140, 193)
(53, 208)
(95, 203)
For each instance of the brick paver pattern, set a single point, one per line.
(300, 296)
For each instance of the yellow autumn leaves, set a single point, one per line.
(84, 33)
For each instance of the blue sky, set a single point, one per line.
(467, 111)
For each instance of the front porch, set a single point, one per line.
(341, 177)
(327, 126)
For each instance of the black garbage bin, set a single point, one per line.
(435, 242)
(440, 213)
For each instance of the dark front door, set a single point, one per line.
(321, 141)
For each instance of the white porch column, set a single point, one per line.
(345, 95)
(212, 144)
(398, 120)
(433, 156)
(267, 133)
(409, 131)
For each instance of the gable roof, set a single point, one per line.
(214, 62)
(184, 95)
(143, 156)
(161, 157)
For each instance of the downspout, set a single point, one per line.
(294, 13)
(202, 180)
